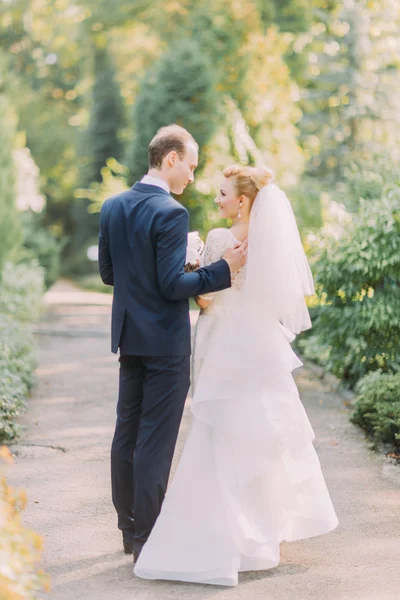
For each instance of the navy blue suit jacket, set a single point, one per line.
(142, 252)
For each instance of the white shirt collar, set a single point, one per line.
(149, 180)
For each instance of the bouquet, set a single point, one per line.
(195, 247)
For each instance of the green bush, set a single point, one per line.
(42, 245)
(378, 408)
(17, 349)
(357, 329)
(9, 224)
(12, 402)
(314, 347)
(367, 179)
(21, 290)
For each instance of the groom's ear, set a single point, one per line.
(172, 157)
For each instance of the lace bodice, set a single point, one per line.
(218, 241)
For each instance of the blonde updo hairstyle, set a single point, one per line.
(249, 180)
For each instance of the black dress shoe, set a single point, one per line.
(128, 546)
(127, 542)
(136, 554)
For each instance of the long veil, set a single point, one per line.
(278, 274)
(249, 360)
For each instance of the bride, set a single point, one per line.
(249, 476)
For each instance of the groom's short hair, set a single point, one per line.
(167, 139)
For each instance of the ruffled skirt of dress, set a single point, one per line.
(249, 476)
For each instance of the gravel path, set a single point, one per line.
(62, 461)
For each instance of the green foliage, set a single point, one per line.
(99, 12)
(314, 347)
(39, 243)
(358, 282)
(21, 291)
(349, 85)
(20, 305)
(17, 363)
(222, 29)
(294, 16)
(306, 200)
(180, 89)
(377, 409)
(45, 45)
(9, 227)
(17, 351)
(367, 179)
(51, 56)
(200, 206)
(102, 139)
(77, 264)
(247, 51)
(113, 182)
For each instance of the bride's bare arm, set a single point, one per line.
(202, 302)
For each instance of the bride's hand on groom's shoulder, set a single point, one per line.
(236, 257)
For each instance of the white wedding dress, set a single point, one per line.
(249, 476)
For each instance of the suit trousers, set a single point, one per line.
(152, 394)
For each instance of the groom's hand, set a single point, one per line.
(236, 257)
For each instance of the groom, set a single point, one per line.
(142, 250)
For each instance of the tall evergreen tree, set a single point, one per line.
(225, 30)
(103, 139)
(101, 142)
(180, 89)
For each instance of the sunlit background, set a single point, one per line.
(311, 88)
